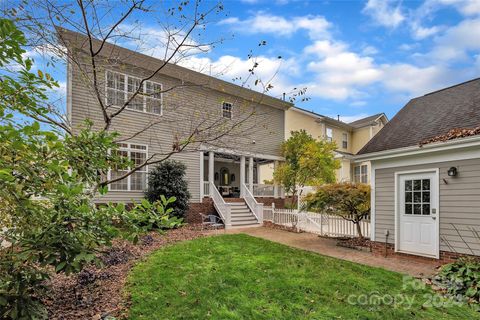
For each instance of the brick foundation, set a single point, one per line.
(195, 208)
(378, 248)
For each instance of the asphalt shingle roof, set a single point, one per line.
(365, 121)
(428, 116)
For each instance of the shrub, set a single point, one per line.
(347, 200)
(460, 279)
(168, 179)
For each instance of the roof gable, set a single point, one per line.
(429, 116)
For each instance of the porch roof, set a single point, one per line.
(232, 152)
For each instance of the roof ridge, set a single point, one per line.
(450, 87)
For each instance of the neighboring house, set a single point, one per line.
(426, 175)
(349, 138)
(227, 167)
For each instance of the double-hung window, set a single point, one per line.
(227, 110)
(329, 134)
(361, 174)
(121, 87)
(345, 140)
(137, 181)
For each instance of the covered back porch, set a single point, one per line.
(228, 171)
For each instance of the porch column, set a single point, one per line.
(250, 174)
(202, 184)
(242, 176)
(275, 185)
(211, 167)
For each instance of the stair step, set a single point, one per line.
(242, 214)
(244, 218)
(236, 209)
(244, 223)
(236, 204)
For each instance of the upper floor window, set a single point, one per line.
(227, 110)
(329, 134)
(121, 87)
(137, 181)
(360, 174)
(345, 140)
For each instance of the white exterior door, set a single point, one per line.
(417, 214)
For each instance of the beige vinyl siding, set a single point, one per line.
(183, 107)
(459, 204)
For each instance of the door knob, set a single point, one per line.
(434, 218)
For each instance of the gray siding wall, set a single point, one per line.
(183, 108)
(459, 211)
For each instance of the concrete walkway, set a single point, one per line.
(328, 247)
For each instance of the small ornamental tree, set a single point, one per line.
(307, 162)
(347, 200)
(168, 179)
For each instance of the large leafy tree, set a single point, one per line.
(347, 200)
(48, 180)
(307, 162)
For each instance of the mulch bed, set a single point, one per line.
(362, 244)
(97, 293)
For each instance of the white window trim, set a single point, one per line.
(326, 134)
(129, 150)
(360, 175)
(231, 110)
(125, 92)
(345, 139)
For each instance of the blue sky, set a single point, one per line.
(354, 57)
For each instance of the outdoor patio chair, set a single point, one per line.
(211, 221)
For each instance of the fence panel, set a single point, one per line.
(319, 223)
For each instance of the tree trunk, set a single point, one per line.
(359, 230)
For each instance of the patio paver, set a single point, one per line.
(328, 247)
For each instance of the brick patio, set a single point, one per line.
(328, 247)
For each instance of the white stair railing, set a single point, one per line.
(223, 208)
(255, 207)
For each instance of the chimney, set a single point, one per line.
(338, 117)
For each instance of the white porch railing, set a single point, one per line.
(263, 190)
(255, 207)
(319, 223)
(223, 208)
(206, 188)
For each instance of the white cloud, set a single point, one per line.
(270, 70)
(414, 80)
(316, 26)
(384, 13)
(351, 118)
(457, 41)
(339, 71)
(466, 7)
(420, 32)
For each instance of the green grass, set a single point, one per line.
(242, 277)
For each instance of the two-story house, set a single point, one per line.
(349, 138)
(233, 130)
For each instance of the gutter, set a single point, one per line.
(466, 142)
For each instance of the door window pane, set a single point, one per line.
(417, 209)
(408, 196)
(408, 208)
(426, 197)
(426, 209)
(408, 185)
(417, 197)
(426, 184)
(417, 184)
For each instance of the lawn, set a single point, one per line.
(242, 277)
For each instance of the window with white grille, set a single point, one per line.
(227, 110)
(360, 174)
(121, 87)
(137, 181)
